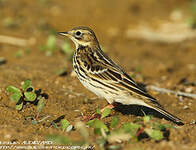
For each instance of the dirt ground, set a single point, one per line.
(162, 64)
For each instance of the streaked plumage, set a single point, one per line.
(98, 73)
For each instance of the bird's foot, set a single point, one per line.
(96, 115)
(110, 106)
(93, 116)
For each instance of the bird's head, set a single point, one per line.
(81, 36)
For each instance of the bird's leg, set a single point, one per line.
(110, 106)
(95, 115)
(140, 131)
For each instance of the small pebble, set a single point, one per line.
(180, 98)
(2, 60)
(185, 107)
(71, 96)
(191, 66)
(76, 110)
(176, 15)
(7, 136)
(73, 74)
(56, 82)
(189, 89)
(163, 78)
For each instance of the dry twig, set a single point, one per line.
(163, 90)
(16, 41)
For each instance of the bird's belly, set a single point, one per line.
(111, 95)
(104, 91)
(99, 90)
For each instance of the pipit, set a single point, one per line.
(101, 75)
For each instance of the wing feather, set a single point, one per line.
(101, 67)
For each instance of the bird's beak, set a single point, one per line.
(63, 33)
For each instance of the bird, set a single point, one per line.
(102, 76)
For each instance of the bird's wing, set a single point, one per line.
(100, 67)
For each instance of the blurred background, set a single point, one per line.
(121, 26)
(154, 41)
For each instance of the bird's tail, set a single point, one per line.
(169, 116)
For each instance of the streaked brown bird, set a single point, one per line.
(98, 73)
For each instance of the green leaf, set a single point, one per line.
(61, 72)
(54, 125)
(51, 43)
(43, 48)
(105, 113)
(90, 123)
(64, 124)
(25, 99)
(97, 131)
(40, 105)
(154, 134)
(114, 147)
(147, 118)
(131, 128)
(67, 49)
(165, 126)
(86, 100)
(114, 122)
(15, 97)
(31, 96)
(26, 85)
(98, 124)
(97, 111)
(58, 139)
(101, 141)
(12, 89)
(159, 126)
(19, 106)
(19, 53)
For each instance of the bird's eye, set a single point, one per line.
(78, 33)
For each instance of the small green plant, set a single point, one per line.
(61, 72)
(86, 100)
(62, 123)
(132, 75)
(66, 126)
(114, 122)
(106, 112)
(98, 111)
(51, 45)
(9, 22)
(19, 54)
(27, 93)
(22, 52)
(59, 139)
(192, 19)
(67, 49)
(108, 134)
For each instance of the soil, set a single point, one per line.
(159, 63)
